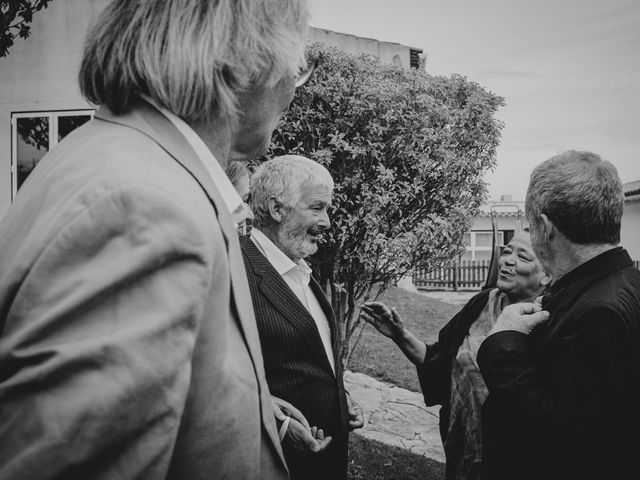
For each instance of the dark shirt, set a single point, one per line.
(563, 402)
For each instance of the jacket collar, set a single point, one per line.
(599, 266)
(277, 292)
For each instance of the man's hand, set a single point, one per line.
(299, 434)
(301, 439)
(356, 417)
(283, 409)
(521, 317)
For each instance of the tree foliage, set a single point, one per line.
(408, 153)
(15, 17)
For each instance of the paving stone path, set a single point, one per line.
(396, 416)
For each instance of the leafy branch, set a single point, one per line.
(15, 17)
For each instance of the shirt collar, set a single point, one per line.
(276, 257)
(232, 200)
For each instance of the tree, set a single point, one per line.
(408, 153)
(15, 17)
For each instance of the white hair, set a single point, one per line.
(283, 177)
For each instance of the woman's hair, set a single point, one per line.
(192, 57)
(581, 194)
(283, 177)
(235, 171)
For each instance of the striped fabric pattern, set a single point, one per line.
(296, 364)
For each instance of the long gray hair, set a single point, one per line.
(192, 57)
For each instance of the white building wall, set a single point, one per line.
(630, 231)
(40, 72)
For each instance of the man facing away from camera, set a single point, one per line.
(128, 345)
(298, 331)
(564, 382)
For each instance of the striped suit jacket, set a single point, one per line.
(296, 364)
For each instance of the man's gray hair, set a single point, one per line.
(235, 170)
(193, 57)
(283, 177)
(581, 194)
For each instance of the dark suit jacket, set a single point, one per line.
(297, 366)
(128, 346)
(564, 401)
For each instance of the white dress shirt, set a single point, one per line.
(230, 196)
(297, 276)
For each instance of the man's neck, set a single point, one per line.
(216, 135)
(271, 232)
(570, 256)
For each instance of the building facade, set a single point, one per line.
(506, 215)
(395, 53)
(630, 232)
(40, 101)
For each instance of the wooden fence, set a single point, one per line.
(463, 275)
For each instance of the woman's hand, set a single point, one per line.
(387, 322)
(385, 319)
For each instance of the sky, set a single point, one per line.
(569, 70)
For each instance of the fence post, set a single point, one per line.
(455, 275)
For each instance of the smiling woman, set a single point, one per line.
(448, 370)
(520, 276)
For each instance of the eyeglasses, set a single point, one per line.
(305, 73)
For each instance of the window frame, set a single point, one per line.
(53, 116)
(472, 248)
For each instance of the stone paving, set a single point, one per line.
(396, 416)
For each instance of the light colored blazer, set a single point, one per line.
(128, 344)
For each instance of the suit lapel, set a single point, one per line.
(328, 312)
(148, 120)
(279, 294)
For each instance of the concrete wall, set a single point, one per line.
(630, 232)
(40, 73)
(387, 52)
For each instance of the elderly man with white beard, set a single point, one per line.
(297, 327)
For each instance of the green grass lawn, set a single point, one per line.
(371, 460)
(380, 358)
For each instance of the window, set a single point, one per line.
(416, 59)
(479, 243)
(33, 134)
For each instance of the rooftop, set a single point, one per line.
(631, 190)
(505, 207)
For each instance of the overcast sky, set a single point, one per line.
(569, 70)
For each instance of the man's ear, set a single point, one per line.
(548, 228)
(276, 210)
